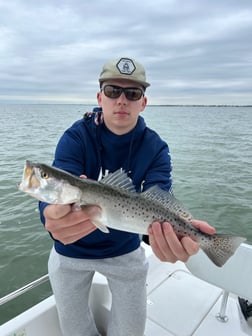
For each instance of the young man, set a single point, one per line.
(112, 137)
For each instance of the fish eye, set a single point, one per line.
(44, 175)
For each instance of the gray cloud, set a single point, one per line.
(195, 52)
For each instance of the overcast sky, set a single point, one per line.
(194, 51)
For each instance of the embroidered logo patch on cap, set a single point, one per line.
(126, 66)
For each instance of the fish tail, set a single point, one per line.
(220, 247)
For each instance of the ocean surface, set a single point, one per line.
(211, 149)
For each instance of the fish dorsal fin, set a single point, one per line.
(166, 199)
(119, 179)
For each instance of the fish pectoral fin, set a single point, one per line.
(96, 216)
(100, 225)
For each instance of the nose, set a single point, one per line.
(122, 99)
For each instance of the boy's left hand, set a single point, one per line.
(168, 247)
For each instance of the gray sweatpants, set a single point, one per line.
(71, 280)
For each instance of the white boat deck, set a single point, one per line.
(179, 304)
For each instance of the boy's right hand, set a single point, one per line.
(68, 225)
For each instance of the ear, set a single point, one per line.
(99, 99)
(144, 103)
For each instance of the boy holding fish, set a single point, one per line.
(110, 138)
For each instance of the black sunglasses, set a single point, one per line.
(114, 91)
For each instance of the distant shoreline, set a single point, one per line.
(200, 105)
(168, 105)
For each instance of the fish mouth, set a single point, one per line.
(29, 179)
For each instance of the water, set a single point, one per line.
(212, 160)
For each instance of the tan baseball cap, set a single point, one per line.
(124, 68)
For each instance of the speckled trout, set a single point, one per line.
(122, 208)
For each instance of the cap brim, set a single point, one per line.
(104, 79)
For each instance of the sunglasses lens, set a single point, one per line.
(113, 91)
(133, 94)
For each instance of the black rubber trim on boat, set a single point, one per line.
(246, 307)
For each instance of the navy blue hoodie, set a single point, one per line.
(89, 147)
